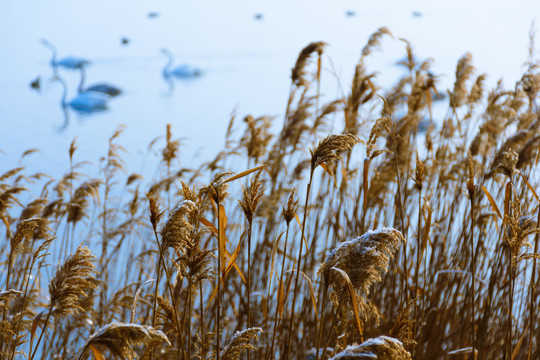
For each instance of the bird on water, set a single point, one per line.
(85, 102)
(181, 71)
(68, 62)
(105, 88)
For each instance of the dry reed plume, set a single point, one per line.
(364, 259)
(119, 339)
(247, 257)
(239, 343)
(382, 348)
(72, 281)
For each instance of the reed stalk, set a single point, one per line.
(472, 193)
(219, 276)
(288, 214)
(298, 268)
(181, 349)
(33, 354)
(321, 322)
(532, 290)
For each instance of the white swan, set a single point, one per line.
(68, 62)
(86, 102)
(104, 88)
(180, 71)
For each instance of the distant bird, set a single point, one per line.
(68, 62)
(86, 102)
(36, 84)
(185, 71)
(124, 40)
(104, 88)
(350, 13)
(258, 16)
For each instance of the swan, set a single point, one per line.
(104, 88)
(181, 71)
(68, 62)
(85, 102)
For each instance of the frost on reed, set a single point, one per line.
(240, 342)
(217, 190)
(381, 348)
(487, 144)
(120, 338)
(7, 296)
(505, 163)
(364, 259)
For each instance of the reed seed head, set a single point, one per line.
(470, 181)
(519, 228)
(382, 347)
(403, 326)
(79, 203)
(464, 70)
(72, 281)
(251, 196)
(329, 148)
(381, 124)
(298, 75)
(477, 90)
(132, 178)
(177, 232)
(217, 190)
(25, 231)
(8, 295)
(7, 197)
(375, 40)
(507, 162)
(419, 174)
(120, 338)
(256, 137)
(72, 147)
(240, 342)
(290, 210)
(365, 259)
(171, 148)
(155, 212)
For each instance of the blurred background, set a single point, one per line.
(240, 54)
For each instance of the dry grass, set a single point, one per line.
(211, 261)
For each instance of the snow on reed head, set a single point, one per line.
(381, 348)
(365, 259)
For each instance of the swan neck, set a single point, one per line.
(169, 62)
(53, 50)
(83, 77)
(64, 92)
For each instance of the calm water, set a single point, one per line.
(246, 61)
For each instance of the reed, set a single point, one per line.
(422, 243)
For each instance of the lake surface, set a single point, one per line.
(246, 62)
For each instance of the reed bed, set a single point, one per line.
(386, 239)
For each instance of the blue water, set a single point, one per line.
(246, 62)
(246, 59)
